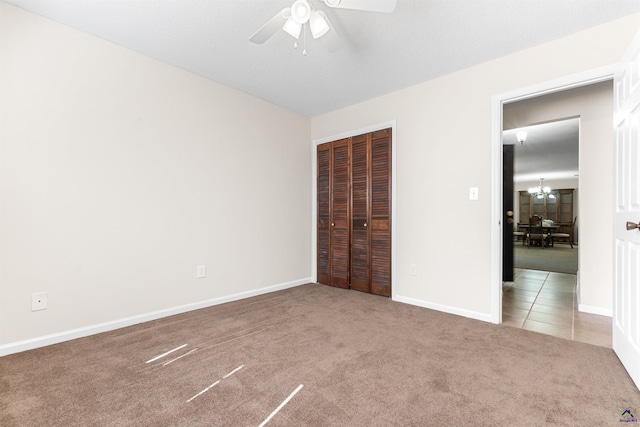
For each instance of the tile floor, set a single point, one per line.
(546, 302)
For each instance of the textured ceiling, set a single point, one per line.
(381, 53)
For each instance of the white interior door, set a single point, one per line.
(626, 298)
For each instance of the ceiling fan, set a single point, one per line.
(293, 19)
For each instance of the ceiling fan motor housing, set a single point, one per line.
(300, 11)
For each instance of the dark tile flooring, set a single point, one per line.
(546, 302)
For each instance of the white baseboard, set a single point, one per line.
(72, 334)
(595, 310)
(485, 317)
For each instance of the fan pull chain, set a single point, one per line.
(304, 40)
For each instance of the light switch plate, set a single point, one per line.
(473, 193)
(412, 269)
(201, 272)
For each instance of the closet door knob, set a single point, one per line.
(365, 224)
(631, 225)
(333, 224)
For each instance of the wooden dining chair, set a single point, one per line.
(519, 235)
(536, 232)
(564, 235)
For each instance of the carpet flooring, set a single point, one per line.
(315, 356)
(559, 259)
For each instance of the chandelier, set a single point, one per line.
(540, 192)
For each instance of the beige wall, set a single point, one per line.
(594, 105)
(120, 174)
(444, 147)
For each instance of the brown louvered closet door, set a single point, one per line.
(360, 202)
(354, 213)
(324, 213)
(340, 214)
(333, 213)
(381, 212)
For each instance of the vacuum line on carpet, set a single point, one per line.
(180, 357)
(233, 372)
(217, 382)
(164, 354)
(281, 405)
(204, 391)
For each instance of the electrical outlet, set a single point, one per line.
(201, 272)
(38, 301)
(412, 270)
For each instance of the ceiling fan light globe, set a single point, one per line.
(300, 11)
(292, 28)
(332, 3)
(318, 25)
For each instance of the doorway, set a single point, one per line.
(544, 183)
(558, 88)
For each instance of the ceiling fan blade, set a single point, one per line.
(386, 6)
(271, 27)
(330, 40)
